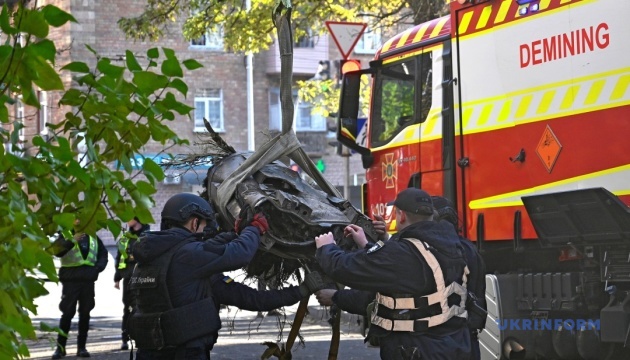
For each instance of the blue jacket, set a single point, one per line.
(195, 273)
(396, 268)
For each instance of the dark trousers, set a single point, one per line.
(81, 292)
(129, 303)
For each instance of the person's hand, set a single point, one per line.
(260, 222)
(117, 285)
(357, 234)
(324, 239)
(313, 281)
(380, 227)
(324, 296)
(244, 218)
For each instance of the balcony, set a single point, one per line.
(306, 57)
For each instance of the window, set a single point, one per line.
(306, 41)
(43, 113)
(209, 105)
(369, 42)
(304, 119)
(402, 97)
(19, 119)
(212, 40)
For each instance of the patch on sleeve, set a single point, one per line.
(379, 244)
(227, 279)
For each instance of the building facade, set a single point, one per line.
(217, 91)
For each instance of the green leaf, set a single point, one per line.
(179, 85)
(153, 53)
(132, 63)
(150, 167)
(105, 66)
(192, 64)
(55, 16)
(5, 24)
(47, 77)
(34, 23)
(148, 82)
(77, 66)
(65, 220)
(44, 48)
(171, 67)
(169, 53)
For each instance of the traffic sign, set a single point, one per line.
(346, 35)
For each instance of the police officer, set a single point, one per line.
(124, 267)
(179, 285)
(83, 257)
(419, 277)
(476, 304)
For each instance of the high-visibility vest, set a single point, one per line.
(74, 257)
(443, 309)
(122, 245)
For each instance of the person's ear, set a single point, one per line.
(403, 217)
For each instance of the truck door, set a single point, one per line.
(406, 125)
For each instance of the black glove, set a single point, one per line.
(313, 281)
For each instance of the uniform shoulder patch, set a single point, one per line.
(227, 279)
(376, 247)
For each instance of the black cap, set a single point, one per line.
(413, 200)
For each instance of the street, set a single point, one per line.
(241, 337)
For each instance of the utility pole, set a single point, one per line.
(251, 132)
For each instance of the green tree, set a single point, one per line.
(112, 112)
(252, 30)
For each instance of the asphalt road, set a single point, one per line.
(241, 337)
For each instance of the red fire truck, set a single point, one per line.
(519, 112)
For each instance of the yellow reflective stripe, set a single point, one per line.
(465, 23)
(484, 17)
(503, 10)
(566, 98)
(404, 37)
(620, 88)
(485, 114)
(606, 178)
(544, 4)
(594, 92)
(420, 32)
(523, 106)
(545, 103)
(569, 97)
(438, 27)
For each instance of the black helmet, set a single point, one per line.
(446, 210)
(181, 207)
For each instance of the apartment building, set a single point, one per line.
(217, 91)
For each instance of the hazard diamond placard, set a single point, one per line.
(548, 148)
(346, 35)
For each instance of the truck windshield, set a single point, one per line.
(397, 102)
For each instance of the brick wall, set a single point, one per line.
(97, 26)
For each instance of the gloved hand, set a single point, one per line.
(313, 281)
(260, 221)
(247, 218)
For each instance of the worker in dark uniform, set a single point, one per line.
(179, 283)
(83, 257)
(476, 306)
(419, 277)
(124, 267)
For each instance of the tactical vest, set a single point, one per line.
(419, 313)
(156, 324)
(74, 257)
